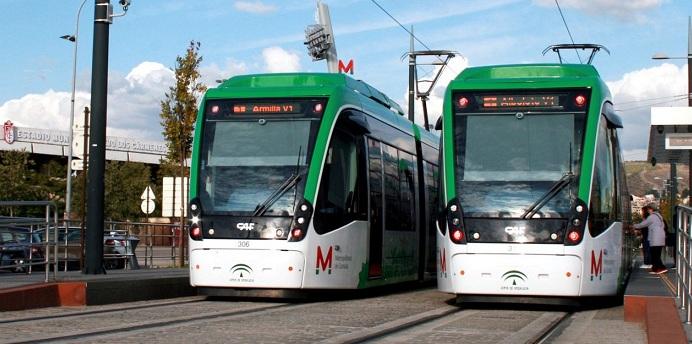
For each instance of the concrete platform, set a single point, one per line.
(650, 300)
(72, 288)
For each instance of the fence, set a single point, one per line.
(683, 259)
(30, 244)
(25, 243)
(128, 245)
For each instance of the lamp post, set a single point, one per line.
(661, 56)
(73, 39)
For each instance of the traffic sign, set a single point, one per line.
(148, 198)
(78, 165)
(148, 194)
(148, 206)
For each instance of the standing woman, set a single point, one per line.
(657, 237)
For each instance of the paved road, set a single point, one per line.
(420, 316)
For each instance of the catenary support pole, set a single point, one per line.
(97, 140)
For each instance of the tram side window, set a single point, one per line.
(407, 189)
(400, 189)
(431, 190)
(440, 215)
(391, 186)
(342, 195)
(603, 207)
(623, 192)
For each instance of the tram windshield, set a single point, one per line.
(507, 163)
(255, 165)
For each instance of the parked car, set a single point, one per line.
(116, 249)
(20, 246)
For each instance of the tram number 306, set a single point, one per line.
(243, 243)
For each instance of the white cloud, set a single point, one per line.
(434, 103)
(628, 9)
(636, 92)
(213, 73)
(278, 60)
(253, 7)
(133, 104)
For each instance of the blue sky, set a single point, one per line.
(258, 36)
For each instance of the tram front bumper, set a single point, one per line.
(245, 268)
(513, 274)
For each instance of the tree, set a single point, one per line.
(179, 113)
(20, 182)
(124, 183)
(179, 108)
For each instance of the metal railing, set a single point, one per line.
(683, 259)
(128, 245)
(22, 247)
(47, 244)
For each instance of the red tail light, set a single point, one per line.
(297, 234)
(457, 236)
(455, 223)
(195, 232)
(301, 219)
(577, 223)
(463, 102)
(580, 100)
(573, 236)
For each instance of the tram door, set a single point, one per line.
(375, 179)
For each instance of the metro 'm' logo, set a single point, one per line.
(596, 265)
(348, 68)
(322, 262)
(443, 261)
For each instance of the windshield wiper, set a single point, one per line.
(291, 181)
(554, 190)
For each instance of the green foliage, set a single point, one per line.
(21, 182)
(124, 184)
(179, 108)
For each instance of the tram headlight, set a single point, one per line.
(301, 220)
(455, 223)
(195, 207)
(576, 224)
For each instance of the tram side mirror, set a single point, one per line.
(438, 124)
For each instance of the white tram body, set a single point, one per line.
(535, 198)
(291, 187)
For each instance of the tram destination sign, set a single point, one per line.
(519, 101)
(262, 108)
(225, 109)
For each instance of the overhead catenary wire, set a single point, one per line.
(652, 104)
(409, 31)
(652, 99)
(568, 31)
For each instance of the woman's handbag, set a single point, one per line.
(670, 239)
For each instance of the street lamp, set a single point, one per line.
(71, 38)
(662, 56)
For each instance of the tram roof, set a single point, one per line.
(299, 84)
(312, 85)
(559, 73)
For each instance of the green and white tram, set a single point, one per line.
(535, 202)
(309, 181)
